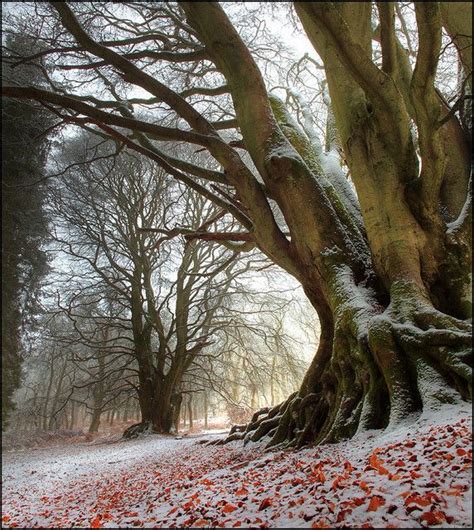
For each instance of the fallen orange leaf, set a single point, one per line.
(96, 522)
(375, 503)
(201, 522)
(417, 499)
(320, 524)
(265, 504)
(434, 517)
(377, 464)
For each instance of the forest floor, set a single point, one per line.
(416, 476)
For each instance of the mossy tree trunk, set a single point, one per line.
(389, 278)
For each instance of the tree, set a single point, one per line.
(24, 223)
(112, 218)
(385, 266)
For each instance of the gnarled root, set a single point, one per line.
(440, 348)
(136, 429)
(382, 369)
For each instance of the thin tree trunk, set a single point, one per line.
(126, 410)
(53, 420)
(48, 394)
(190, 411)
(253, 398)
(206, 410)
(184, 409)
(272, 383)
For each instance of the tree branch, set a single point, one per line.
(387, 37)
(133, 73)
(68, 102)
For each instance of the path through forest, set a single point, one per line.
(415, 476)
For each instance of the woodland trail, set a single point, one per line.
(418, 475)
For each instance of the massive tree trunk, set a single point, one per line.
(159, 405)
(389, 279)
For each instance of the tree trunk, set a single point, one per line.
(387, 274)
(272, 383)
(159, 404)
(53, 420)
(126, 408)
(190, 412)
(48, 395)
(253, 397)
(176, 401)
(206, 410)
(184, 416)
(95, 420)
(99, 390)
(155, 391)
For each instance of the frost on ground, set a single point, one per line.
(416, 476)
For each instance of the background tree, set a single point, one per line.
(112, 219)
(24, 223)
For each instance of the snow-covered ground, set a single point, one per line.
(415, 476)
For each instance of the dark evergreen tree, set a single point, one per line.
(24, 222)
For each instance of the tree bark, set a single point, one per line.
(95, 421)
(394, 334)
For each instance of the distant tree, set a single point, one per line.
(116, 219)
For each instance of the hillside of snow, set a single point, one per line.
(416, 476)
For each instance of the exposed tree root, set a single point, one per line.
(382, 370)
(136, 429)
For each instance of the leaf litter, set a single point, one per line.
(417, 476)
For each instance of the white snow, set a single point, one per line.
(401, 478)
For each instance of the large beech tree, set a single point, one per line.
(168, 296)
(387, 266)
